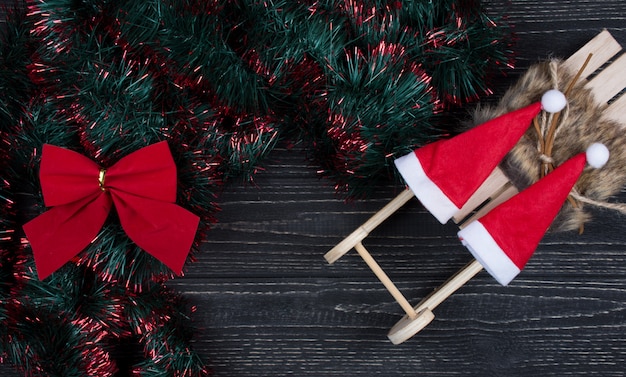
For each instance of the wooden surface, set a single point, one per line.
(270, 305)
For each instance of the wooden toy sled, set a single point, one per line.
(494, 191)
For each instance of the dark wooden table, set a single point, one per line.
(269, 304)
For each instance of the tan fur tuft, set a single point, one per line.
(580, 125)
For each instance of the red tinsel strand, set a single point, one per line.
(110, 321)
(356, 11)
(42, 73)
(94, 360)
(368, 14)
(9, 246)
(345, 132)
(44, 25)
(160, 65)
(195, 85)
(350, 145)
(75, 114)
(8, 212)
(202, 7)
(309, 94)
(160, 333)
(463, 12)
(155, 56)
(253, 60)
(58, 32)
(21, 316)
(23, 319)
(98, 362)
(21, 267)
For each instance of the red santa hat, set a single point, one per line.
(443, 175)
(505, 238)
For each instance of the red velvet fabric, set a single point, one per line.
(458, 166)
(142, 186)
(519, 224)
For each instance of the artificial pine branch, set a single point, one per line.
(376, 74)
(161, 319)
(358, 82)
(69, 324)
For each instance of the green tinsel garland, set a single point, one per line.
(358, 82)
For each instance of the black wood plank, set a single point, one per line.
(269, 305)
(272, 306)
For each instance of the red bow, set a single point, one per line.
(142, 186)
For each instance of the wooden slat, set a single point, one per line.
(498, 199)
(492, 184)
(364, 230)
(603, 47)
(617, 110)
(610, 81)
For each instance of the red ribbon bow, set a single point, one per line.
(142, 186)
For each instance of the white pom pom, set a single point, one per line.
(553, 101)
(597, 155)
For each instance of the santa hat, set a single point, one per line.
(443, 175)
(505, 238)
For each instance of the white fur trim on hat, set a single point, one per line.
(487, 252)
(424, 189)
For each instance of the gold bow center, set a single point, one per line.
(101, 176)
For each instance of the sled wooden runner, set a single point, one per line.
(606, 85)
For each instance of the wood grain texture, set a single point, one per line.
(272, 307)
(269, 305)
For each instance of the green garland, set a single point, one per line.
(357, 82)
